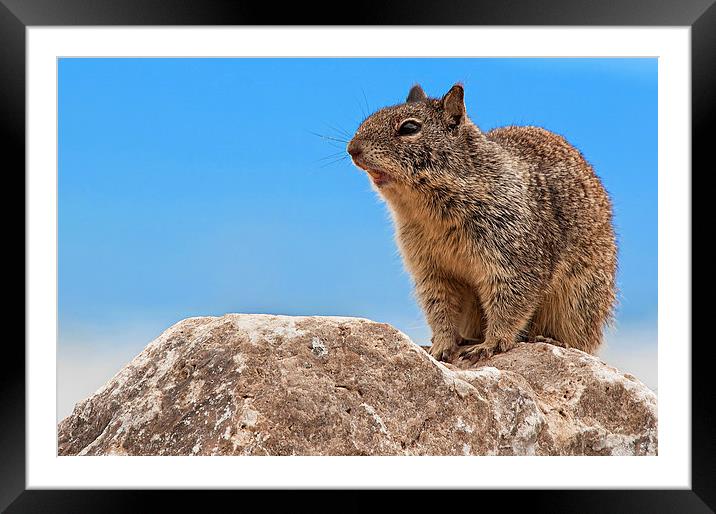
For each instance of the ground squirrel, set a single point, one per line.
(507, 234)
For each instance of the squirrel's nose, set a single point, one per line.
(354, 149)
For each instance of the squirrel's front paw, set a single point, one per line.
(442, 348)
(477, 352)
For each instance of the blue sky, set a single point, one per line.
(197, 187)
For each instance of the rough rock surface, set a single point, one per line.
(278, 385)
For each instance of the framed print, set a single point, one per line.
(277, 250)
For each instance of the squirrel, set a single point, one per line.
(507, 234)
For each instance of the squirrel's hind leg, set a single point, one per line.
(574, 314)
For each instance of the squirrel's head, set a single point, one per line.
(410, 144)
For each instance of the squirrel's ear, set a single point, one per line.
(416, 94)
(454, 103)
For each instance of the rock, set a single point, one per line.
(278, 385)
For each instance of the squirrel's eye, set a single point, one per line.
(409, 127)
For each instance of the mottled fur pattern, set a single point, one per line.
(507, 234)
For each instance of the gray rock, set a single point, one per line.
(279, 385)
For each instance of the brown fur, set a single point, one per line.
(507, 234)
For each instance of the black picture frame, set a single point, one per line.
(17, 15)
